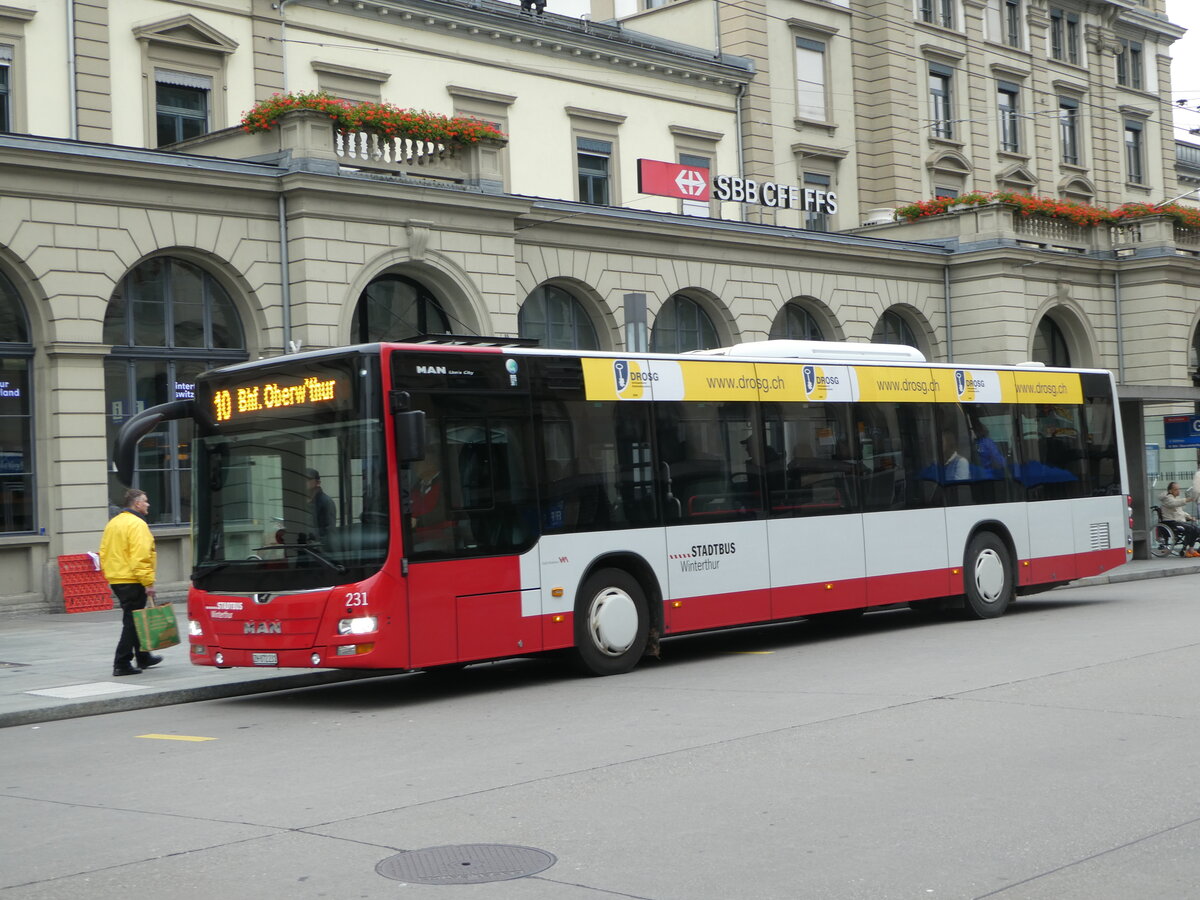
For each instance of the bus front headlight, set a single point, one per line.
(358, 625)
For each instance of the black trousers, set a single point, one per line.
(131, 597)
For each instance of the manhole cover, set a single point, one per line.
(465, 864)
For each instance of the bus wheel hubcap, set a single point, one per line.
(989, 576)
(613, 621)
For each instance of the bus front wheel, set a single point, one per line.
(612, 624)
(987, 577)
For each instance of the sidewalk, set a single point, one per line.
(59, 666)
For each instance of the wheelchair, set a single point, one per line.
(1166, 538)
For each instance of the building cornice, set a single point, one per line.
(602, 44)
(18, 13)
(329, 68)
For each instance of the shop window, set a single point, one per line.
(796, 323)
(167, 321)
(681, 325)
(892, 329)
(394, 307)
(17, 500)
(1050, 344)
(556, 319)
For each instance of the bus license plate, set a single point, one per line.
(265, 659)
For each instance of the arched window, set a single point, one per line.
(394, 307)
(892, 329)
(681, 325)
(556, 319)
(16, 414)
(795, 323)
(1194, 359)
(1050, 345)
(167, 322)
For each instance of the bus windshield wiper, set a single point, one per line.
(307, 548)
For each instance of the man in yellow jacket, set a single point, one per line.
(128, 560)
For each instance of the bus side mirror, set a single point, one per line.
(410, 435)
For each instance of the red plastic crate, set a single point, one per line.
(84, 588)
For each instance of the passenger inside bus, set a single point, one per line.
(954, 465)
(764, 463)
(321, 511)
(426, 504)
(991, 459)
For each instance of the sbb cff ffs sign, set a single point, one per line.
(664, 179)
(779, 196)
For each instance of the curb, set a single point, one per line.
(172, 697)
(1124, 574)
(175, 696)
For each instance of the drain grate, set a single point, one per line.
(465, 864)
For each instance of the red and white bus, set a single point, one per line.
(475, 502)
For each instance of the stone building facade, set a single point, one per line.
(126, 269)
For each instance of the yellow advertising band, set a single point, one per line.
(644, 379)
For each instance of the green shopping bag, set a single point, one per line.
(156, 626)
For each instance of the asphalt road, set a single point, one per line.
(1048, 754)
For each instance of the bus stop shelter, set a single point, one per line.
(1143, 407)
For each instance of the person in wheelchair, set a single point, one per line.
(1172, 503)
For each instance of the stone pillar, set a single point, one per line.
(269, 32)
(76, 474)
(744, 33)
(92, 91)
(889, 90)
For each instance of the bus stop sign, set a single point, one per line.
(1181, 431)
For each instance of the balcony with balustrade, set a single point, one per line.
(998, 225)
(306, 140)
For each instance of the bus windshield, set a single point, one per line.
(291, 493)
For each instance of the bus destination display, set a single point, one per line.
(270, 394)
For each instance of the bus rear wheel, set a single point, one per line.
(612, 624)
(987, 577)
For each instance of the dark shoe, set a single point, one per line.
(149, 660)
(126, 670)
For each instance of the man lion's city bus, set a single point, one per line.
(485, 501)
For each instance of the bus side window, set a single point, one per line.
(821, 476)
(901, 444)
